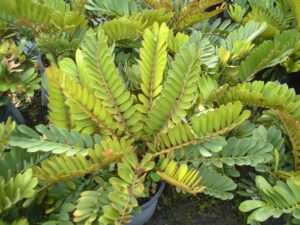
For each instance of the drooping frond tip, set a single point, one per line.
(181, 176)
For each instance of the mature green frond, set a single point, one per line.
(296, 9)
(21, 222)
(16, 161)
(178, 92)
(246, 33)
(58, 109)
(123, 28)
(198, 6)
(69, 67)
(152, 65)
(220, 120)
(158, 4)
(78, 5)
(4, 19)
(177, 136)
(89, 204)
(217, 185)
(246, 151)
(105, 81)
(267, 95)
(81, 103)
(60, 168)
(6, 130)
(270, 135)
(268, 54)
(111, 8)
(68, 22)
(206, 125)
(276, 200)
(59, 5)
(205, 148)
(259, 94)
(41, 17)
(126, 189)
(244, 130)
(57, 46)
(209, 90)
(148, 17)
(88, 113)
(237, 12)
(15, 222)
(266, 11)
(195, 16)
(182, 177)
(217, 30)
(292, 127)
(54, 140)
(74, 69)
(176, 42)
(209, 56)
(292, 64)
(28, 12)
(16, 189)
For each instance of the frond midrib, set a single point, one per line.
(108, 91)
(179, 98)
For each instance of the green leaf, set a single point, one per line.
(217, 185)
(178, 92)
(268, 54)
(152, 64)
(283, 197)
(223, 119)
(249, 205)
(16, 189)
(106, 83)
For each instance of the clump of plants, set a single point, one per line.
(148, 97)
(134, 142)
(18, 75)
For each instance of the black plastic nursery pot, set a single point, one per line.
(147, 209)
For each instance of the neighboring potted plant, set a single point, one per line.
(18, 77)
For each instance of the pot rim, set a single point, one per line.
(155, 197)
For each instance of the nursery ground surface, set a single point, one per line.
(33, 111)
(198, 210)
